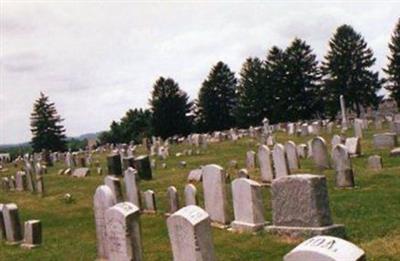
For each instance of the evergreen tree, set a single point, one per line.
(302, 95)
(347, 71)
(252, 100)
(217, 99)
(393, 68)
(136, 125)
(171, 109)
(46, 128)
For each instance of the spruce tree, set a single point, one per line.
(46, 128)
(302, 95)
(347, 71)
(252, 100)
(136, 125)
(171, 109)
(393, 68)
(217, 99)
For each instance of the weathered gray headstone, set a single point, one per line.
(124, 232)
(191, 195)
(2, 227)
(81, 172)
(358, 128)
(195, 175)
(353, 146)
(247, 205)
(20, 180)
(280, 161)
(114, 184)
(190, 235)
(250, 159)
(320, 153)
(131, 187)
(149, 202)
(172, 199)
(30, 181)
(32, 234)
(265, 163)
(142, 165)
(12, 224)
(337, 139)
(40, 184)
(114, 164)
(375, 162)
(292, 157)
(344, 177)
(385, 140)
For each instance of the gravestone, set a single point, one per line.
(358, 128)
(114, 184)
(247, 206)
(250, 159)
(32, 234)
(320, 153)
(280, 161)
(190, 235)
(124, 232)
(103, 199)
(2, 227)
(149, 202)
(300, 207)
(12, 183)
(172, 199)
(191, 195)
(215, 198)
(344, 177)
(243, 173)
(30, 181)
(265, 163)
(326, 248)
(128, 162)
(114, 164)
(343, 111)
(20, 181)
(12, 224)
(5, 184)
(40, 184)
(304, 129)
(81, 172)
(292, 157)
(131, 187)
(142, 165)
(353, 146)
(302, 150)
(385, 140)
(375, 162)
(337, 139)
(195, 175)
(395, 127)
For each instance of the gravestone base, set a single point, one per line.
(29, 246)
(337, 230)
(220, 225)
(242, 227)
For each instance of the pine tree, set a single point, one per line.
(393, 68)
(252, 100)
(171, 109)
(136, 125)
(302, 95)
(47, 131)
(217, 99)
(347, 71)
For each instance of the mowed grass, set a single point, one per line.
(370, 212)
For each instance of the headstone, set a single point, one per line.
(320, 153)
(30, 181)
(243, 173)
(247, 205)
(395, 152)
(375, 162)
(280, 161)
(114, 184)
(250, 159)
(304, 129)
(191, 195)
(128, 162)
(292, 157)
(2, 227)
(12, 224)
(131, 187)
(124, 232)
(142, 165)
(12, 183)
(353, 146)
(172, 199)
(300, 207)
(343, 111)
(302, 150)
(20, 180)
(385, 140)
(395, 127)
(344, 177)
(265, 163)
(337, 139)
(40, 184)
(114, 164)
(103, 199)
(326, 248)
(81, 172)
(32, 234)
(149, 202)
(358, 128)
(195, 175)
(190, 235)
(215, 198)
(5, 184)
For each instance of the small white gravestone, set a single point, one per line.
(123, 232)
(280, 161)
(172, 199)
(131, 187)
(250, 159)
(320, 153)
(195, 175)
(190, 235)
(353, 146)
(292, 156)
(265, 163)
(326, 248)
(191, 195)
(150, 206)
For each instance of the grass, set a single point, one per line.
(370, 212)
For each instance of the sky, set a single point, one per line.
(97, 59)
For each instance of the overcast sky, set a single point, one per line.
(97, 59)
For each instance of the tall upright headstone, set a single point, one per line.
(320, 153)
(131, 187)
(114, 184)
(173, 200)
(358, 128)
(150, 206)
(265, 163)
(191, 195)
(250, 159)
(2, 227)
(114, 164)
(280, 161)
(12, 224)
(292, 156)
(344, 177)
(32, 234)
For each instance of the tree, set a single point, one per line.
(393, 68)
(171, 109)
(46, 128)
(346, 70)
(252, 99)
(136, 125)
(302, 95)
(217, 99)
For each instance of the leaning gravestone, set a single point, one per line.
(114, 164)
(131, 187)
(29, 177)
(292, 156)
(280, 161)
(344, 177)
(320, 153)
(215, 198)
(265, 163)
(247, 205)
(326, 248)
(123, 232)
(32, 234)
(190, 235)
(103, 199)
(191, 195)
(142, 165)
(12, 224)
(300, 207)
(385, 140)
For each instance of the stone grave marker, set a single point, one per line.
(114, 164)
(131, 187)
(280, 161)
(265, 163)
(12, 224)
(385, 140)
(114, 184)
(344, 177)
(320, 153)
(375, 162)
(358, 128)
(243, 173)
(353, 146)
(250, 159)
(20, 180)
(292, 157)
(150, 202)
(172, 199)
(81, 172)
(195, 175)
(2, 227)
(191, 195)
(142, 165)
(32, 234)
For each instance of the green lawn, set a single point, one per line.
(370, 212)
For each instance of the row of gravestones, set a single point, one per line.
(11, 230)
(300, 207)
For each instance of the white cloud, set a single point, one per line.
(98, 59)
